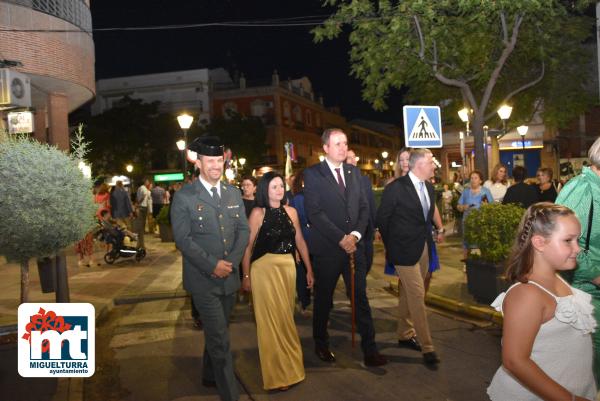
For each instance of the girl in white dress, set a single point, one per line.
(546, 339)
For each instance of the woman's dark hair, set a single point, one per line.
(262, 189)
(479, 174)
(298, 183)
(249, 178)
(540, 218)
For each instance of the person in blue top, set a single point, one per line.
(472, 198)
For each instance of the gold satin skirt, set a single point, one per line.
(273, 280)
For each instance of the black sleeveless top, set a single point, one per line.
(276, 235)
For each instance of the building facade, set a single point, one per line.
(178, 91)
(57, 58)
(293, 113)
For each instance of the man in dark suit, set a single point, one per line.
(338, 214)
(211, 231)
(520, 193)
(404, 220)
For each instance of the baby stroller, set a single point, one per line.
(115, 236)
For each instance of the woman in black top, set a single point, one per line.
(248, 187)
(546, 190)
(269, 265)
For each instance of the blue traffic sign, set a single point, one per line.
(422, 126)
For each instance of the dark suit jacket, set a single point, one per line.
(522, 194)
(401, 223)
(331, 213)
(205, 232)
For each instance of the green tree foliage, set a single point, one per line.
(478, 53)
(131, 132)
(45, 204)
(246, 136)
(493, 228)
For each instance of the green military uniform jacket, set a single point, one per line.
(205, 231)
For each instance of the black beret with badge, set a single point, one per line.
(205, 145)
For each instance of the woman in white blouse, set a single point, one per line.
(497, 184)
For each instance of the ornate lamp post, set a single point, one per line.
(185, 122)
(522, 130)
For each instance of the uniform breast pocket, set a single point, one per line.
(201, 222)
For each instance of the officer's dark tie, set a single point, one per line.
(215, 194)
(340, 180)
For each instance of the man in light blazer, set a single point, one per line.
(338, 214)
(404, 219)
(211, 231)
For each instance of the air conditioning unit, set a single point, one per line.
(15, 89)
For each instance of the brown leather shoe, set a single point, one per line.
(411, 343)
(375, 359)
(324, 354)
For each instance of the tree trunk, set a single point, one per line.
(480, 159)
(24, 281)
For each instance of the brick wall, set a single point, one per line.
(66, 55)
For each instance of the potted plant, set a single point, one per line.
(163, 219)
(45, 202)
(491, 229)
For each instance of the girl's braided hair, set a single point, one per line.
(540, 219)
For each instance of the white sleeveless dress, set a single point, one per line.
(562, 349)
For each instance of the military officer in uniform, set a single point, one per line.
(211, 231)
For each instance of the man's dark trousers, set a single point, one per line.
(214, 310)
(327, 270)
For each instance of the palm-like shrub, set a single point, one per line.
(493, 228)
(45, 202)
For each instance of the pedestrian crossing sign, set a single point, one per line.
(422, 126)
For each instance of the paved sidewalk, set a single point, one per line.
(159, 276)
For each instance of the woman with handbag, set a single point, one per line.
(582, 195)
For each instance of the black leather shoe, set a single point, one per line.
(209, 383)
(324, 354)
(431, 358)
(375, 359)
(411, 343)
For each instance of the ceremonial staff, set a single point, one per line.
(352, 303)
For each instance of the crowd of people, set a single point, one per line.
(281, 246)
(135, 212)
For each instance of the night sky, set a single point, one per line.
(254, 51)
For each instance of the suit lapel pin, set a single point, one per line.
(199, 207)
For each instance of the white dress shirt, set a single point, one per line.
(209, 186)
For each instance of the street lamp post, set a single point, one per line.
(129, 168)
(464, 117)
(504, 113)
(181, 146)
(522, 130)
(185, 122)
(384, 155)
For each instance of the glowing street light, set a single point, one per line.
(242, 161)
(384, 154)
(180, 144)
(129, 168)
(321, 158)
(522, 130)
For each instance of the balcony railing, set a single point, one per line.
(75, 12)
